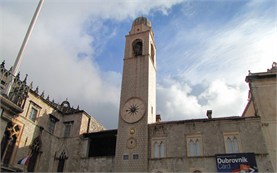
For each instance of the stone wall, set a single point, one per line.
(51, 144)
(97, 164)
(212, 132)
(264, 99)
(95, 126)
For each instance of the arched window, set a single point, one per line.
(194, 145)
(156, 150)
(229, 145)
(232, 145)
(61, 162)
(137, 47)
(232, 142)
(8, 142)
(162, 150)
(197, 148)
(191, 148)
(235, 145)
(159, 148)
(35, 149)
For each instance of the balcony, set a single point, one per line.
(13, 102)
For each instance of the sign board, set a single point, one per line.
(236, 162)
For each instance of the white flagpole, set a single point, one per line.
(27, 36)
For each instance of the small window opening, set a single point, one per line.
(137, 47)
(125, 157)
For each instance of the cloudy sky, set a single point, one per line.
(204, 51)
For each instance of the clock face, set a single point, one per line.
(133, 110)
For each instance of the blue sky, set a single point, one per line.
(204, 51)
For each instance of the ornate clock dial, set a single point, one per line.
(133, 110)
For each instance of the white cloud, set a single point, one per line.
(232, 51)
(218, 59)
(51, 57)
(245, 41)
(224, 99)
(176, 101)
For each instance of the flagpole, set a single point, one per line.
(22, 48)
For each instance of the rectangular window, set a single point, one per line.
(33, 111)
(135, 156)
(232, 142)
(52, 123)
(125, 157)
(67, 128)
(33, 114)
(194, 145)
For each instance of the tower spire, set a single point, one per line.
(138, 98)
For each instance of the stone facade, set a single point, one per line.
(58, 137)
(262, 103)
(211, 134)
(33, 120)
(97, 164)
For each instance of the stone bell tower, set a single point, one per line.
(138, 98)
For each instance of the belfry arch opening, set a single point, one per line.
(152, 54)
(137, 47)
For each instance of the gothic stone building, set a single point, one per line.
(58, 137)
(47, 132)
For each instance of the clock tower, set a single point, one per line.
(138, 98)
